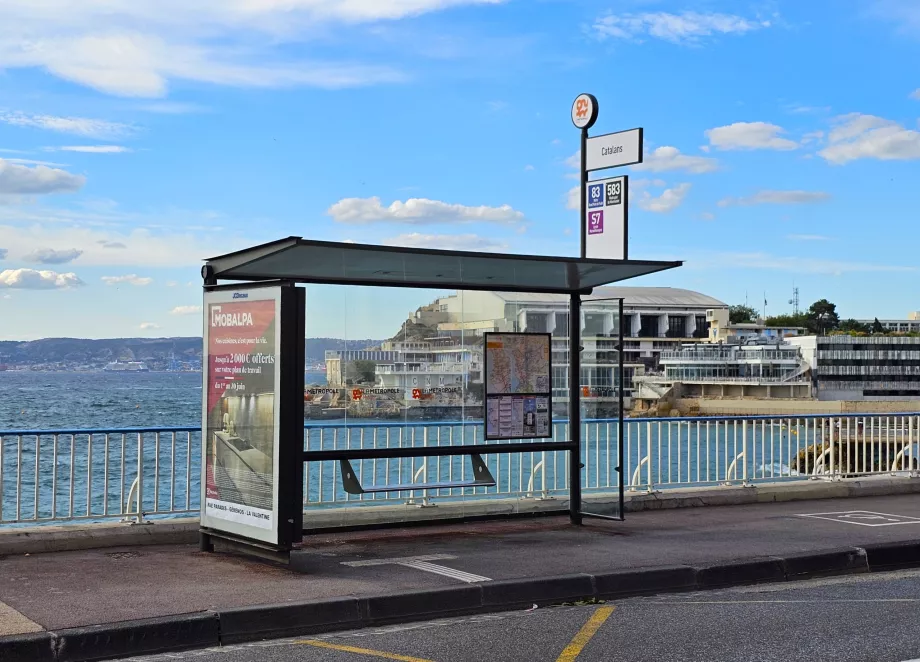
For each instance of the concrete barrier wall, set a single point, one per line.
(713, 407)
(185, 531)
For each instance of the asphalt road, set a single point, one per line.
(871, 618)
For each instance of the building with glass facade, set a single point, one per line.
(863, 368)
(761, 369)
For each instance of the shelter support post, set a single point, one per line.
(575, 408)
(205, 544)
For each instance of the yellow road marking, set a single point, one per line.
(360, 651)
(584, 635)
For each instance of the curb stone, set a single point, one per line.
(233, 626)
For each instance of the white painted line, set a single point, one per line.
(399, 559)
(422, 563)
(13, 622)
(467, 577)
(864, 518)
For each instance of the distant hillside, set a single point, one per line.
(95, 352)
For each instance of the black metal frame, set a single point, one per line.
(294, 457)
(292, 353)
(485, 389)
(430, 284)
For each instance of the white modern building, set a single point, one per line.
(655, 319)
(761, 368)
(435, 364)
(863, 367)
(722, 330)
(910, 325)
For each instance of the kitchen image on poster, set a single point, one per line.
(242, 338)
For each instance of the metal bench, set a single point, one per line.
(482, 477)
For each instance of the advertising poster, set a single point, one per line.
(240, 435)
(518, 370)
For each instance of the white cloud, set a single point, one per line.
(94, 149)
(666, 158)
(52, 256)
(130, 249)
(808, 264)
(573, 198)
(134, 48)
(707, 216)
(857, 136)
(915, 94)
(528, 168)
(130, 279)
(186, 310)
(767, 197)
(172, 283)
(454, 242)
(111, 244)
(807, 237)
(667, 202)
(81, 126)
(148, 326)
(686, 27)
(34, 162)
(30, 279)
(40, 180)
(574, 161)
(419, 211)
(750, 135)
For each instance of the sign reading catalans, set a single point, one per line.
(240, 436)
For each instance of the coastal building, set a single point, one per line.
(863, 368)
(722, 330)
(761, 368)
(438, 363)
(655, 320)
(340, 362)
(910, 325)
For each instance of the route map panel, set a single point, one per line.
(518, 389)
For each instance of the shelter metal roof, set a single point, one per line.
(659, 297)
(309, 261)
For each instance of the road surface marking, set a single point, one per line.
(399, 559)
(864, 518)
(467, 577)
(424, 564)
(358, 651)
(585, 634)
(13, 622)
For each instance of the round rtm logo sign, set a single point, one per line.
(584, 111)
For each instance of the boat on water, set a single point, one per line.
(126, 366)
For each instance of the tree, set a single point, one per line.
(741, 314)
(877, 326)
(787, 321)
(853, 326)
(822, 317)
(366, 371)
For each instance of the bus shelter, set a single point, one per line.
(253, 452)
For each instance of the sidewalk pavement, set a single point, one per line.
(351, 579)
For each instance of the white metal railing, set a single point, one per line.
(68, 475)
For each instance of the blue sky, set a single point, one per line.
(137, 138)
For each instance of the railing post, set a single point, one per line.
(833, 449)
(139, 517)
(648, 456)
(744, 454)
